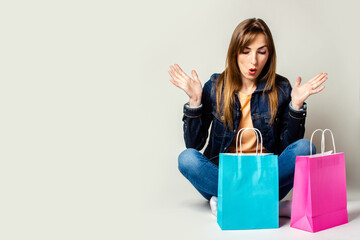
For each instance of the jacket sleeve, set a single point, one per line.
(197, 120)
(292, 122)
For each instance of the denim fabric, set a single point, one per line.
(288, 127)
(203, 174)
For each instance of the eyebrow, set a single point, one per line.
(258, 48)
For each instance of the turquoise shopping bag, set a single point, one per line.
(248, 189)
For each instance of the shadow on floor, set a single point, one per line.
(283, 221)
(353, 214)
(201, 205)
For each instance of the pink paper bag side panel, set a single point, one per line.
(319, 195)
(301, 194)
(328, 191)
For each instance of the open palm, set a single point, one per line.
(300, 93)
(191, 86)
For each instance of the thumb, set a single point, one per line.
(298, 81)
(195, 76)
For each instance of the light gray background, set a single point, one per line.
(91, 126)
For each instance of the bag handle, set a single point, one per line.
(312, 135)
(257, 132)
(322, 140)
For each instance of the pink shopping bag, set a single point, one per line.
(319, 193)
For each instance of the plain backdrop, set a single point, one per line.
(91, 125)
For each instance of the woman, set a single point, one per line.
(248, 93)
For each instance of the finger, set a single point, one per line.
(314, 78)
(174, 82)
(172, 74)
(320, 78)
(175, 72)
(175, 79)
(317, 84)
(195, 76)
(297, 83)
(177, 84)
(181, 72)
(317, 90)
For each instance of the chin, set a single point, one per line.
(252, 76)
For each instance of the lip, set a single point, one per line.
(252, 71)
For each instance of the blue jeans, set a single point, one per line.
(203, 174)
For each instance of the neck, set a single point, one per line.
(248, 86)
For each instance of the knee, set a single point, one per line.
(303, 147)
(187, 160)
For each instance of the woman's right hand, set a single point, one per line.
(192, 87)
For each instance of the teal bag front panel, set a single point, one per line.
(248, 192)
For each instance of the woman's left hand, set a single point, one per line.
(300, 93)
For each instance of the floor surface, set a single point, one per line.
(188, 216)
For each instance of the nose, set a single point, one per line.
(253, 58)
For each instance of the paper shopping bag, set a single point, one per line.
(248, 190)
(319, 194)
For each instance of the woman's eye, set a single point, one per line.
(245, 52)
(262, 52)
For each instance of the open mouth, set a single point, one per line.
(252, 71)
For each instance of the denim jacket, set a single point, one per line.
(288, 126)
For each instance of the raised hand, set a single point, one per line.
(191, 86)
(300, 93)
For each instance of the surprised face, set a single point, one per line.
(253, 58)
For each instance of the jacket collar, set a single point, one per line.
(261, 86)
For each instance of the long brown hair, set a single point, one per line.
(229, 82)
